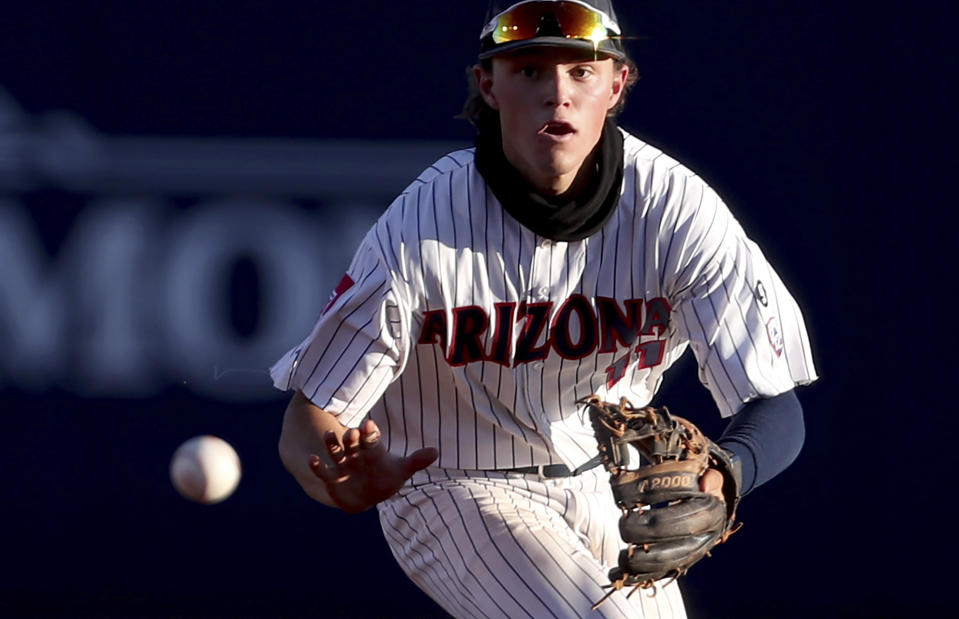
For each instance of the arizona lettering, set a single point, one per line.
(574, 329)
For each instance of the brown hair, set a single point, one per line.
(478, 113)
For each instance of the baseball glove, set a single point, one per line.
(668, 522)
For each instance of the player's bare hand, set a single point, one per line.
(712, 482)
(363, 473)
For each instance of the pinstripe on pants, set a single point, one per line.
(493, 544)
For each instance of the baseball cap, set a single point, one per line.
(589, 25)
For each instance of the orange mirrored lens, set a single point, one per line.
(523, 22)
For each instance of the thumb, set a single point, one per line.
(712, 482)
(420, 459)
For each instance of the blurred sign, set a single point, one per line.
(135, 293)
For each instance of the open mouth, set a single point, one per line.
(557, 128)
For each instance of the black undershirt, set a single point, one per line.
(570, 218)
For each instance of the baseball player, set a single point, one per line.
(560, 258)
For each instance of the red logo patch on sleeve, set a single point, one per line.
(775, 334)
(345, 284)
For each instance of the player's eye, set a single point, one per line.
(529, 71)
(581, 72)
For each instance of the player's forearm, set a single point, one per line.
(304, 426)
(767, 434)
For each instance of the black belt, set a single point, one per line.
(556, 470)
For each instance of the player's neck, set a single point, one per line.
(564, 186)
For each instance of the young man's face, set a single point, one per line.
(552, 104)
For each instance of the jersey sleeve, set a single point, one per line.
(744, 327)
(358, 345)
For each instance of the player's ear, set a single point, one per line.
(620, 75)
(484, 83)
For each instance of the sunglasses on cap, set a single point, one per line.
(536, 19)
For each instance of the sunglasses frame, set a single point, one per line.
(604, 20)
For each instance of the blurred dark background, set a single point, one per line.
(182, 183)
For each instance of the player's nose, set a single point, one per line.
(556, 89)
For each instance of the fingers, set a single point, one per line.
(352, 450)
(369, 434)
(351, 442)
(364, 437)
(321, 470)
(333, 447)
(337, 456)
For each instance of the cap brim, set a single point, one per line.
(605, 48)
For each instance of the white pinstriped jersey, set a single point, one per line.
(458, 328)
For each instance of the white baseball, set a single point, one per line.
(205, 469)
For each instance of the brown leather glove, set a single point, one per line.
(668, 522)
